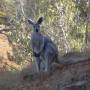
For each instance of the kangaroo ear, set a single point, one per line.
(40, 20)
(30, 21)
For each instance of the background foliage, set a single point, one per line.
(66, 22)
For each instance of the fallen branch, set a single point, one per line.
(74, 58)
(7, 30)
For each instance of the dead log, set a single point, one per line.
(74, 57)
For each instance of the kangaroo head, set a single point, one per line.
(36, 25)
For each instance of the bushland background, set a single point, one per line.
(66, 22)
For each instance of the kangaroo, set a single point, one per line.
(43, 48)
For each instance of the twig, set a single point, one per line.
(7, 30)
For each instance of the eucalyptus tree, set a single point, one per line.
(83, 19)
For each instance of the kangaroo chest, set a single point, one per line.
(37, 42)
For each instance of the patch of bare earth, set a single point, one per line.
(5, 49)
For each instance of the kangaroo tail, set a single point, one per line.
(72, 59)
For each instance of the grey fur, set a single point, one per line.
(44, 50)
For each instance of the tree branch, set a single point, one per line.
(7, 30)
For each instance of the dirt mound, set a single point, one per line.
(4, 46)
(5, 52)
(70, 77)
